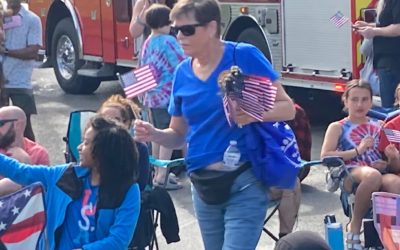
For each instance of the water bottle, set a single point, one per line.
(333, 233)
(329, 219)
(231, 156)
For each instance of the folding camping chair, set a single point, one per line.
(76, 127)
(274, 205)
(290, 199)
(337, 170)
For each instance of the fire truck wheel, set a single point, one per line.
(256, 38)
(66, 62)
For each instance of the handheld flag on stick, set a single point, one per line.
(138, 81)
(339, 19)
(252, 94)
(392, 135)
(22, 218)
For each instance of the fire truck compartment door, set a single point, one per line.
(312, 42)
(90, 15)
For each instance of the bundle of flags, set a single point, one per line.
(22, 218)
(338, 19)
(138, 81)
(386, 207)
(252, 94)
(392, 135)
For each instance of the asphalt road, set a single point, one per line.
(50, 126)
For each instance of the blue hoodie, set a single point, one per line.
(63, 184)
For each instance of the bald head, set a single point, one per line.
(14, 112)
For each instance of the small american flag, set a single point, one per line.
(138, 81)
(392, 135)
(258, 95)
(22, 218)
(339, 19)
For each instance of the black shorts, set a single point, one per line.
(160, 118)
(22, 98)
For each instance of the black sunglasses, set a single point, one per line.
(186, 30)
(3, 122)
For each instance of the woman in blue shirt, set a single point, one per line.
(198, 119)
(93, 205)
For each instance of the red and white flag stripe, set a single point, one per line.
(138, 81)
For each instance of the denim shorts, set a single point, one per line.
(237, 223)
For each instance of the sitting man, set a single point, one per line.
(14, 144)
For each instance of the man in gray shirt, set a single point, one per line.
(22, 44)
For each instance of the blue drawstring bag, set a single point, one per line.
(273, 152)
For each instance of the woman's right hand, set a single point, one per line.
(144, 131)
(365, 144)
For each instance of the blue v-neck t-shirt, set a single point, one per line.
(200, 104)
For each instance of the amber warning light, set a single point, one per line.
(339, 87)
(244, 10)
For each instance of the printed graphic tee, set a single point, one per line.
(80, 219)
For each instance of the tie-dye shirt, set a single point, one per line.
(351, 137)
(164, 53)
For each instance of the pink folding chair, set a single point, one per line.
(386, 214)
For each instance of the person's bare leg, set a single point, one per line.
(155, 151)
(288, 209)
(28, 133)
(391, 183)
(164, 154)
(370, 180)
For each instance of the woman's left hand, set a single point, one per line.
(367, 32)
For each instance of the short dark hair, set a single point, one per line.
(116, 154)
(204, 11)
(157, 16)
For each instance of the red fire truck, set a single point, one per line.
(298, 36)
(314, 56)
(86, 41)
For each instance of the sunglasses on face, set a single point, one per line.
(186, 30)
(3, 122)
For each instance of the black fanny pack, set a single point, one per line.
(214, 186)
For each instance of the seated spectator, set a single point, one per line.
(355, 139)
(302, 240)
(125, 111)
(14, 144)
(302, 129)
(94, 204)
(290, 198)
(288, 208)
(391, 151)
